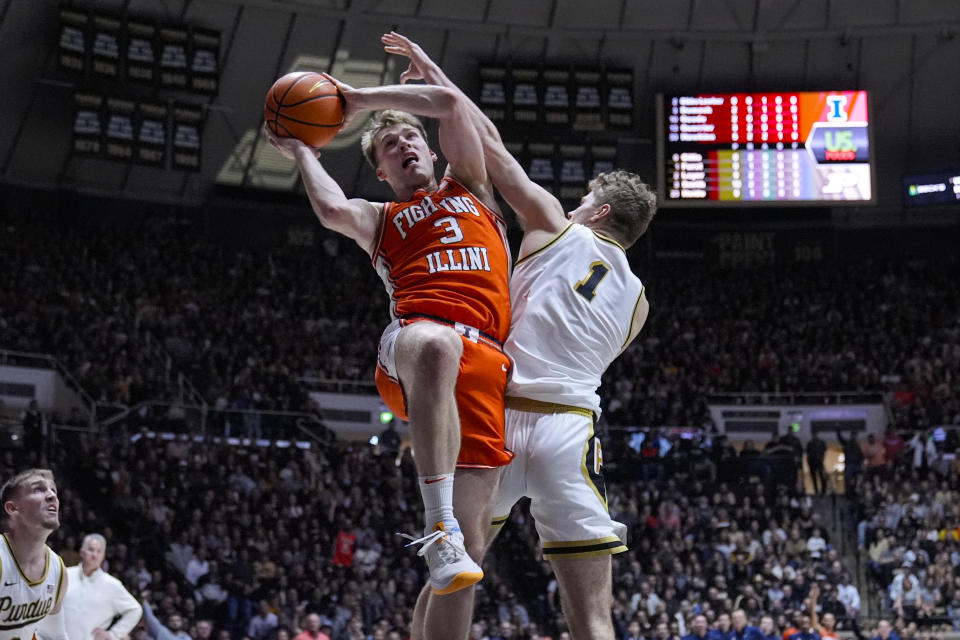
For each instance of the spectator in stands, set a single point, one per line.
(264, 623)
(816, 544)
(203, 630)
(311, 629)
(904, 592)
(33, 424)
(741, 629)
(884, 631)
(699, 629)
(852, 460)
(875, 454)
(791, 440)
(173, 629)
(816, 453)
(768, 629)
(849, 596)
(894, 445)
(805, 630)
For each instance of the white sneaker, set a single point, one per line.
(451, 567)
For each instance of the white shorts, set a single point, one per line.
(558, 466)
(387, 351)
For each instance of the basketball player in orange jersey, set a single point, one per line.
(441, 251)
(576, 307)
(33, 581)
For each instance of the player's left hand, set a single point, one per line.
(101, 634)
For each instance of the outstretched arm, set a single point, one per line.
(355, 218)
(534, 205)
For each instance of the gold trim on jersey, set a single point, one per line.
(633, 318)
(46, 567)
(584, 548)
(499, 522)
(608, 239)
(536, 406)
(544, 247)
(56, 598)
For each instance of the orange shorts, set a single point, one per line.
(481, 387)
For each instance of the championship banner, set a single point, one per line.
(151, 146)
(141, 61)
(87, 129)
(619, 92)
(573, 171)
(72, 47)
(587, 114)
(173, 57)
(106, 46)
(526, 98)
(493, 92)
(205, 61)
(603, 159)
(119, 138)
(186, 136)
(541, 168)
(556, 97)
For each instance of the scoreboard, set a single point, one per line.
(780, 149)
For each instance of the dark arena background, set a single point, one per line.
(193, 354)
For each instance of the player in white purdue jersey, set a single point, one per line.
(32, 577)
(576, 306)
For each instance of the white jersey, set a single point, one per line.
(23, 604)
(573, 303)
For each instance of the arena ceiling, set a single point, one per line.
(906, 52)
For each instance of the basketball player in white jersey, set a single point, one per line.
(576, 306)
(32, 578)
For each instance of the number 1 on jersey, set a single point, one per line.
(588, 286)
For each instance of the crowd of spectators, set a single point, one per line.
(265, 542)
(908, 512)
(242, 324)
(246, 324)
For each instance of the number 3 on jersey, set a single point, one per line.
(453, 228)
(588, 286)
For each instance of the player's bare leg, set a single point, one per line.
(448, 617)
(426, 596)
(586, 591)
(428, 363)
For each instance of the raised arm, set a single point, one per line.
(536, 208)
(355, 218)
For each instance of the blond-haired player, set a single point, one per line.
(32, 577)
(576, 306)
(441, 251)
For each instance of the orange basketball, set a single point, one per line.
(304, 105)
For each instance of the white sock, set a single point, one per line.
(437, 492)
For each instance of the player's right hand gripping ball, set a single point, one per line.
(304, 105)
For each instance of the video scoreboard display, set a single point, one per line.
(780, 149)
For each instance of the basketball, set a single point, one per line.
(304, 105)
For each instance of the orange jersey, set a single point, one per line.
(444, 254)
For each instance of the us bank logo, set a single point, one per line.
(831, 143)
